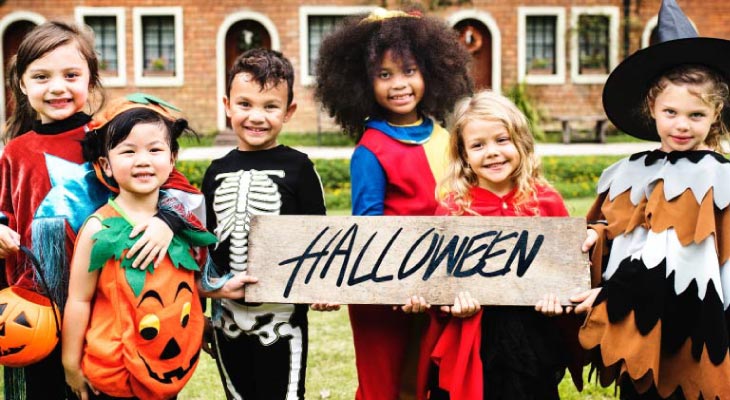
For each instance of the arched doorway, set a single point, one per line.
(478, 41)
(12, 36)
(242, 36)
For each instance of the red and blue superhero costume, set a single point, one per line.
(394, 171)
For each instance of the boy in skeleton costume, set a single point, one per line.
(261, 349)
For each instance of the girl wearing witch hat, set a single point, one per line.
(660, 229)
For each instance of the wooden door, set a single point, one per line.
(12, 37)
(478, 40)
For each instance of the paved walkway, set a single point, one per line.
(543, 149)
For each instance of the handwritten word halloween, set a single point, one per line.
(459, 256)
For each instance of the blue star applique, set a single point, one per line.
(75, 192)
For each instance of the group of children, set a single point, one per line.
(133, 324)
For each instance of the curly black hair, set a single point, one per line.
(350, 57)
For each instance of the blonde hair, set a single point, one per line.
(714, 92)
(459, 178)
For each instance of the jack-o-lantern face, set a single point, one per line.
(164, 344)
(27, 327)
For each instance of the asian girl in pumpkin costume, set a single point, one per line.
(660, 226)
(136, 332)
(47, 189)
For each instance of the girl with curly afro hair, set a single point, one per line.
(385, 78)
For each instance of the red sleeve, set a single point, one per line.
(446, 206)
(551, 203)
(178, 181)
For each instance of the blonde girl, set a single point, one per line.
(500, 352)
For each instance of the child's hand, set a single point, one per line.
(325, 306)
(550, 305)
(77, 382)
(235, 287)
(9, 241)
(153, 244)
(586, 300)
(414, 305)
(464, 306)
(591, 238)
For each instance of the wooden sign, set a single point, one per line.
(385, 260)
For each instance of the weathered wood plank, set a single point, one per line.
(384, 260)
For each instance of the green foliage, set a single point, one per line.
(335, 175)
(572, 176)
(190, 140)
(330, 139)
(524, 102)
(576, 176)
(194, 170)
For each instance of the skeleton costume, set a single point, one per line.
(261, 348)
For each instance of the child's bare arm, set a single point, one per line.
(152, 245)
(82, 285)
(585, 300)
(234, 288)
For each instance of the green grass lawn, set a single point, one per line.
(331, 364)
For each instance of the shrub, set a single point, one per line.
(572, 176)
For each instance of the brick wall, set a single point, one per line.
(202, 21)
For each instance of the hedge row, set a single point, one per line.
(572, 176)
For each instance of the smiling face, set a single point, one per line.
(399, 87)
(683, 119)
(257, 114)
(57, 84)
(142, 162)
(491, 154)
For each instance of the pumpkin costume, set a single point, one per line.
(47, 190)
(146, 326)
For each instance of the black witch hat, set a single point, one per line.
(678, 43)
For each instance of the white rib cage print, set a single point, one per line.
(240, 195)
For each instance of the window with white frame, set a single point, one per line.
(594, 43)
(316, 22)
(158, 46)
(541, 45)
(540, 49)
(109, 43)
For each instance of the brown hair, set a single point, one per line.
(38, 42)
(714, 93)
(459, 178)
(268, 67)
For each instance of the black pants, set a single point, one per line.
(262, 372)
(628, 392)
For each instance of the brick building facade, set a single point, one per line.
(180, 49)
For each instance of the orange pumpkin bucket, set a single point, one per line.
(29, 324)
(27, 327)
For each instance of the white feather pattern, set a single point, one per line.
(678, 177)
